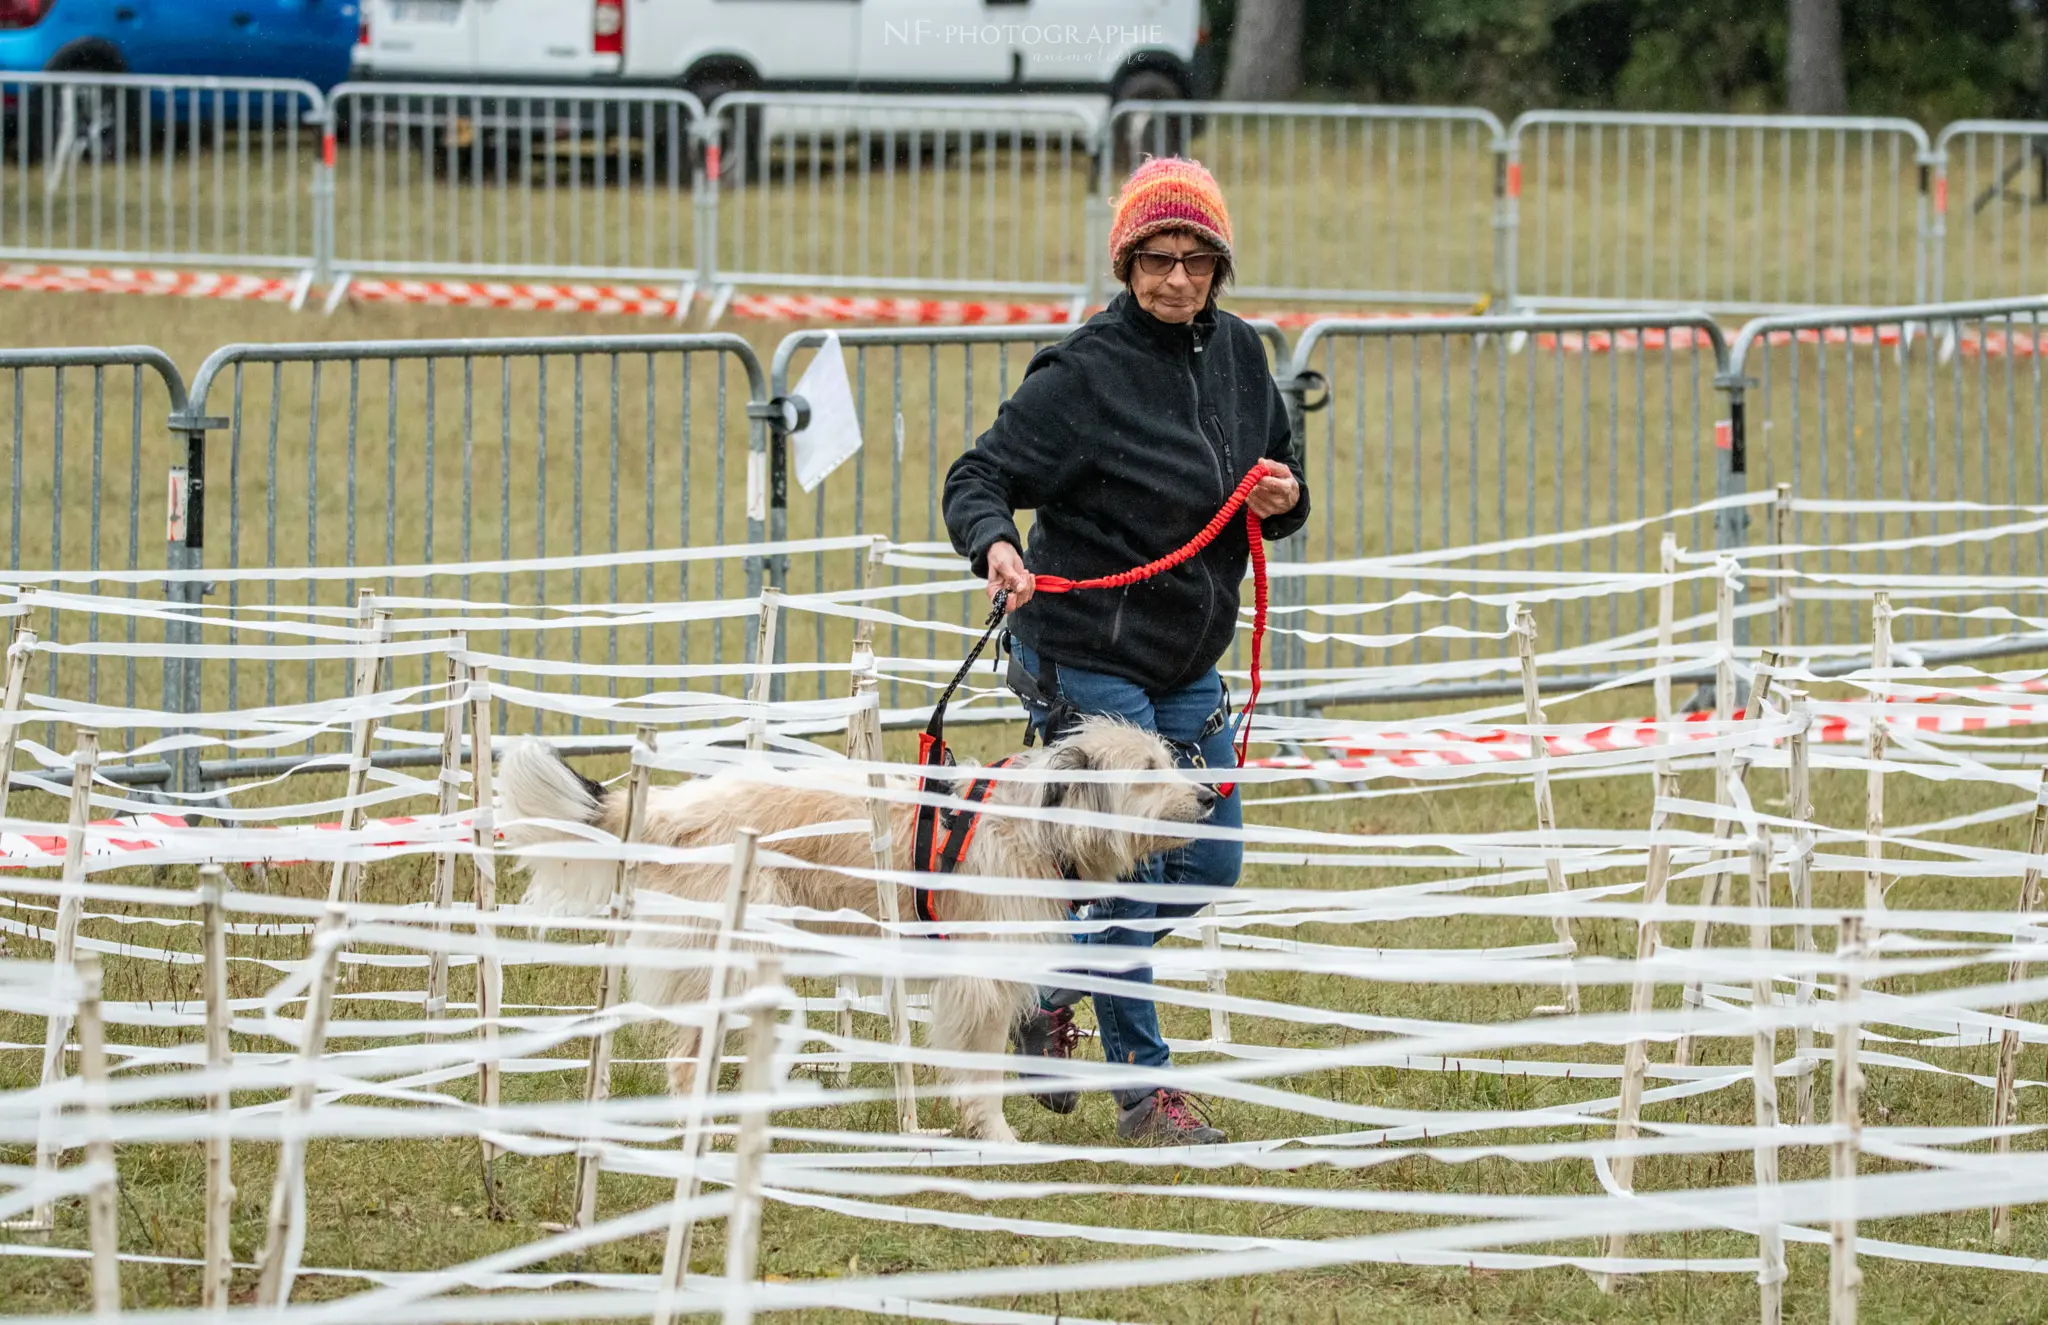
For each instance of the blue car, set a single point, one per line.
(304, 39)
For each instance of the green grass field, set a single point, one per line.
(419, 1205)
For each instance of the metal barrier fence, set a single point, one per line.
(1937, 403)
(903, 193)
(1010, 195)
(1739, 213)
(1417, 435)
(1990, 208)
(518, 450)
(1471, 430)
(1301, 178)
(88, 454)
(186, 171)
(592, 183)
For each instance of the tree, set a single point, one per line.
(1265, 51)
(1813, 58)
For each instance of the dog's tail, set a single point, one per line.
(534, 783)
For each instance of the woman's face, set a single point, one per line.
(1177, 295)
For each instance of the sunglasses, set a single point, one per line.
(1200, 266)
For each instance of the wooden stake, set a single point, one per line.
(1727, 770)
(102, 1218)
(1781, 534)
(1642, 997)
(1875, 747)
(18, 656)
(846, 992)
(675, 1263)
(449, 801)
(1799, 783)
(1724, 829)
(865, 735)
(597, 1077)
(1844, 1279)
(217, 1266)
(490, 978)
(758, 1080)
(1546, 812)
(284, 1235)
(1763, 1066)
(2003, 1104)
(85, 762)
(345, 881)
(1219, 981)
(764, 662)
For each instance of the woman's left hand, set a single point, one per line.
(1276, 493)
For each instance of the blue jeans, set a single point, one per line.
(1129, 1027)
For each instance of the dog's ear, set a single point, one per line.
(1067, 756)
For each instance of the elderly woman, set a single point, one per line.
(1125, 438)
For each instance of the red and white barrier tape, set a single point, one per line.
(1395, 750)
(40, 850)
(660, 301)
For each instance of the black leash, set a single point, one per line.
(927, 853)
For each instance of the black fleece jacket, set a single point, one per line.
(1125, 438)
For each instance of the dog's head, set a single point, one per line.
(1163, 796)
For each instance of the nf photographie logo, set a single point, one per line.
(1053, 40)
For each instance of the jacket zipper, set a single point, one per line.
(1209, 446)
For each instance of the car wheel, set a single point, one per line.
(79, 122)
(739, 127)
(1138, 134)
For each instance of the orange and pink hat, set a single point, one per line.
(1166, 193)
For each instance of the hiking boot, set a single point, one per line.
(1167, 1118)
(1048, 1033)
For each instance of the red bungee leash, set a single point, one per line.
(1216, 525)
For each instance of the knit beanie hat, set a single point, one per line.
(1166, 193)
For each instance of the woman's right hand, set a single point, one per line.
(1006, 571)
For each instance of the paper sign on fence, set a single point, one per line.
(833, 434)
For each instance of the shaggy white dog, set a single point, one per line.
(971, 1014)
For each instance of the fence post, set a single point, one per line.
(220, 1186)
(484, 892)
(1799, 791)
(709, 1059)
(597, 1079)
(1927, 209)
(1876, 743)
(765, 686)
(707, 164)
(284, 1234)
(1507, 219)
(1289, 591)
(759, 1077)
(1844, 1278)
(1763, 1065)
(1731, 524)
(323, 198)
(102, 1216)
(18, 655)
(85, 762)
(1546, 813)
(769, 424)
(185, 550)
(446, 805)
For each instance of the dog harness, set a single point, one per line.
(942, 849)
(941, 835)
(934, 853)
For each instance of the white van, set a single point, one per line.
(1127, 49)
